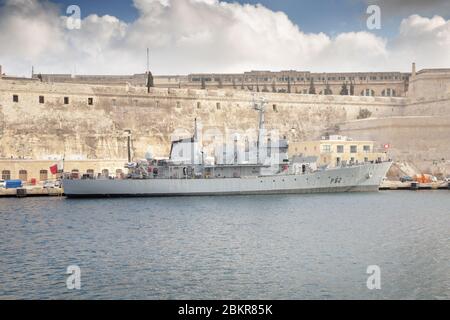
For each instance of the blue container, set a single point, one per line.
(13, 184)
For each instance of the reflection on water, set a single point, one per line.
(252, 247)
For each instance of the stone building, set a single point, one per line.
(386, 84)
(28, 170)
(337, 150)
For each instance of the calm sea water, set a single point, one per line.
(252, 247)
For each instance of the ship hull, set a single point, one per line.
(363, 178)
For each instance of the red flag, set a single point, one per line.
(54, 169)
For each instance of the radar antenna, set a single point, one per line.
(261, 108)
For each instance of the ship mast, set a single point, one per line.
(260, 107)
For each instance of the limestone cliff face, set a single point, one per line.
(89, 120)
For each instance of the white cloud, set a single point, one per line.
(424, 40)
(187, 36)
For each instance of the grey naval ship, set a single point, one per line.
(272, 173)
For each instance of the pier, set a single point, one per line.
(413, 185)
(31, 192)
(54, 192)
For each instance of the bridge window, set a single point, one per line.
(6, 175)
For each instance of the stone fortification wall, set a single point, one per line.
(89, 120)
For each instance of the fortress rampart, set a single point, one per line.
(40, 120)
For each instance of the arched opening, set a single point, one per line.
(368, 92)
(90, 172)
(23, 175)
(43, 175)
(326, 92)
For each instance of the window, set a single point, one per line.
(90, 172)
(105, 173)
(6, 175)
(75, 174)
(353, 149)
(178, 104)
(23, 175)
(114, 102)
(15, 98)
(366, 148)
(199, 105)
(90, 101)
(388, 93)
(274, 107)
(366, 159)
(340, 149)
(43, 175)
(66, 100)
(41, 99)
(326, 148)
(218, 105)
(368, 92)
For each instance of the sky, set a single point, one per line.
(194, 36)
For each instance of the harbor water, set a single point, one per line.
(245, 247)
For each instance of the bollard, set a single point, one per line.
(21, 193)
